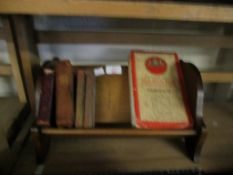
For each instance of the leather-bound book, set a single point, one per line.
(89, 113)
(46, 97)
(80, 98)
(64, 94)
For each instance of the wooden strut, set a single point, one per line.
(195, 143)
(194, 87)
(42, 144)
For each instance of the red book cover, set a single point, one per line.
(46, 97)
(158, 96)
(64, 94)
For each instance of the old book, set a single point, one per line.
(64, 94)
(46, 97)
(157, 91)
(80, 96)
(89, 112)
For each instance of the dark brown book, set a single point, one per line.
(46, 97)
(89, 112)
(80, 96)
(64, 94)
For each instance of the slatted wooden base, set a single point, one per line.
(73, 155)
(110, 151)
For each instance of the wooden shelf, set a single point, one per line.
(122, 9)
(217, 77)
(115, 132)
(69, 37)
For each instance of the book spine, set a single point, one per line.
(46, 97)
(80, 96)
(89, 112)
(64, 94)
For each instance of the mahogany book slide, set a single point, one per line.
(157, 91)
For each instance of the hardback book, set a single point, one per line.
(157, 91)
(64, 94)
(89, 112)
(46, 97)
(80, 98)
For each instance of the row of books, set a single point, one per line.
(67, 97)
(158, 95)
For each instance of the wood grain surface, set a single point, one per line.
(121, 9)
(207, 41)
(5, 70)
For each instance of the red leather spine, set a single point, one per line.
(46, 97)
(64, 94)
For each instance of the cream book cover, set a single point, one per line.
(157, 90)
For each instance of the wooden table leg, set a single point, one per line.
(195, 143)
(42, 143)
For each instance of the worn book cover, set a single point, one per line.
(46, 97)
(80, 97)
(158, 96)
(89, 112)
(64, 94)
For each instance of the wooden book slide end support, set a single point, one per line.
(194, 88)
